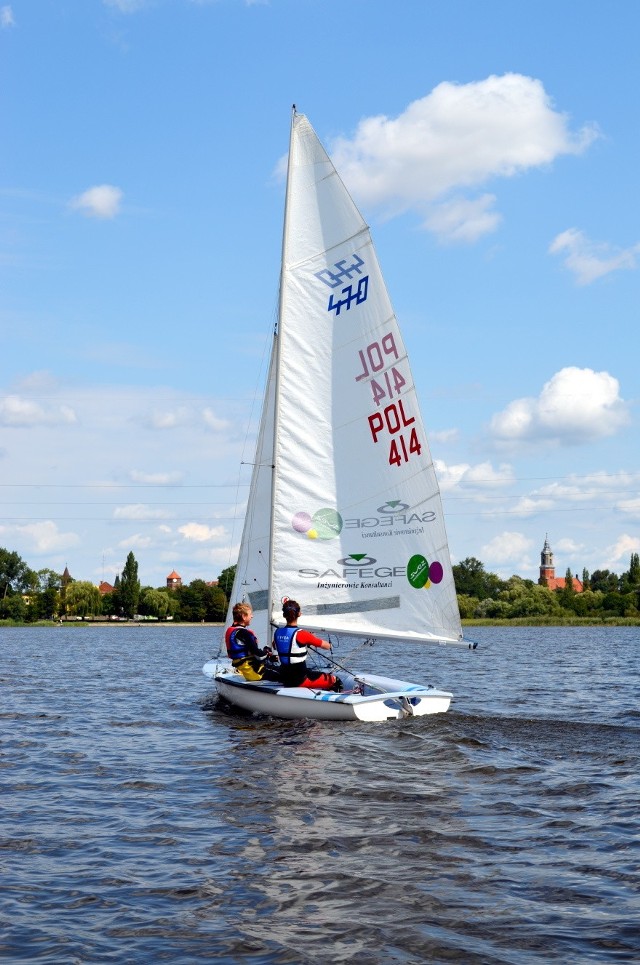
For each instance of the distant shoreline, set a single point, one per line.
(516, 622)
(558, 622)
(170, 624)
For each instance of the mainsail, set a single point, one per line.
(344, 511)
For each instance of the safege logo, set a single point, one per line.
(418, 571)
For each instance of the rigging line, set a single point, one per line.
(584, 475)
(232, 485)
(173, 395)
(317, 656)
(241, 580)
(576, 495)
(261, 380)
(137, 486)
(533, 511)
(130, 520)
(366, 642)
(524, 513)
(47, 502)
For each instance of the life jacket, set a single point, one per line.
(289, 651)
(238, 649)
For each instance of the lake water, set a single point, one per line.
(144, 823)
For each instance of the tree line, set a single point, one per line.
(27, 596)
(605, 596)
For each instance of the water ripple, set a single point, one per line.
(149, 823)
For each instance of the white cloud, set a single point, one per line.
(157, 478)
(105, 461)
(507, 547)
(136, 542)
(567, 547)
(445, 435)
(138, 511)
(6, 17)
(201, 533)
(530, 506)
(18, 412)
(480, 476)
(170, 419)
(182, 416)
(630, 506)
(600, 490)
(454, 140)
(593, 484)
(463, 219)
(589, 260)
(449, 476)
(574, 406)
(102, 201)
(620, 552)
(40, 538)
(483, 475)
(212, 421)
(40, 381)
(563, 490)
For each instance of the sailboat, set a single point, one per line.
(344, 511)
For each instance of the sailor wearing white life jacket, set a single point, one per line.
(291, 643)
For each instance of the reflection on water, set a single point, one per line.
(150, 823)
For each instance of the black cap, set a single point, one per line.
(290, 608)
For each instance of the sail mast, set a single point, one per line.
(276, 348)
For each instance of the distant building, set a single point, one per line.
(105, 588)
(174, 580)
(548, 573)
(64, 583)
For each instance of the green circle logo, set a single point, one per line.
(418, 571)
(327, 523)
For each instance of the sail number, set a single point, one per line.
(373, 359)
(345, 270)
(348, 295)
(393, 421)
(342, 271)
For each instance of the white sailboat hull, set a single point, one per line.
(384, 698)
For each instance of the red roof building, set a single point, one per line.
(174, 580)
(548, 573)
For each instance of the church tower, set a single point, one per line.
(174, 580)
(547, 569)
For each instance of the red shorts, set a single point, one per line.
(316, 680)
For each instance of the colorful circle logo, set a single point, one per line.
(324, 524)
(421, 574)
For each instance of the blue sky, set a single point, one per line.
(493, 148)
